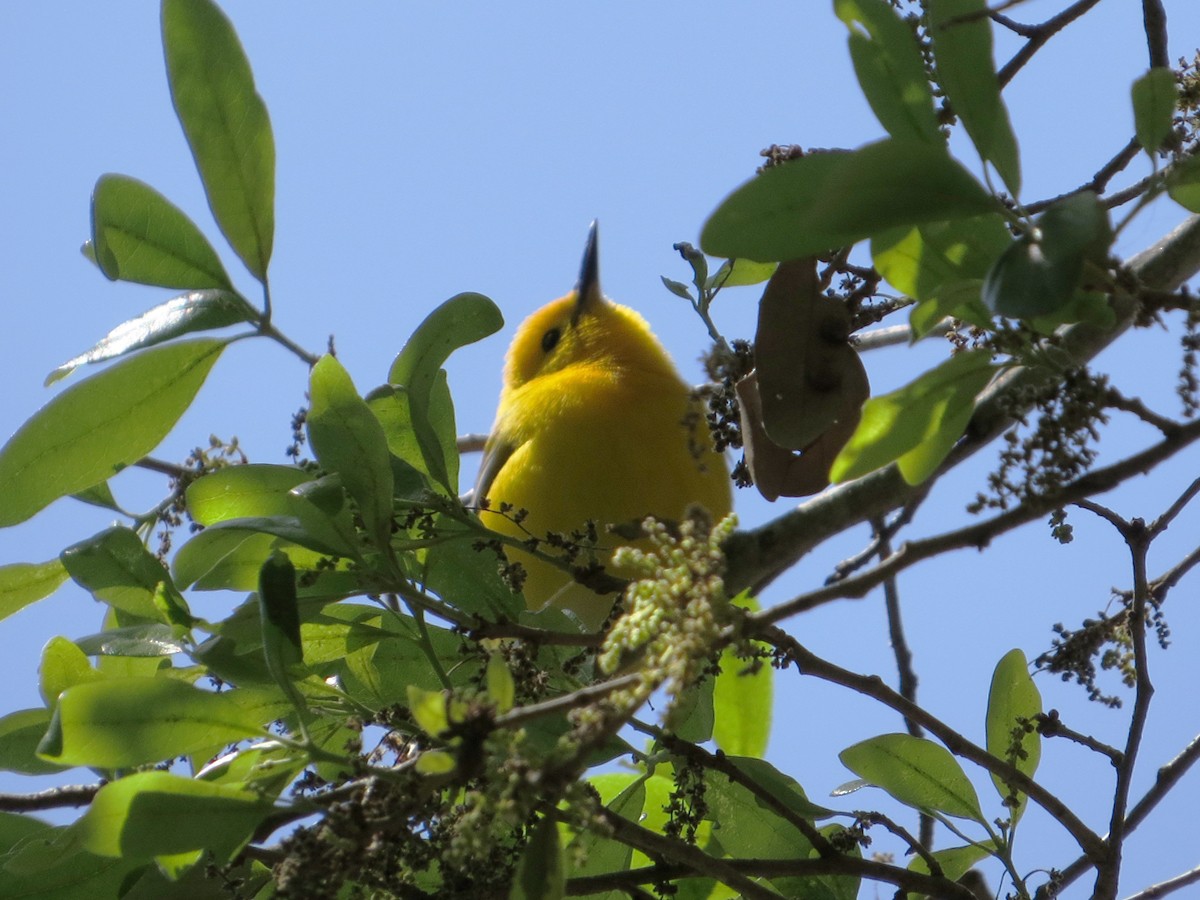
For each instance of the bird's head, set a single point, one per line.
(583, 329)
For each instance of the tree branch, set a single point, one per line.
(872, 686)
(758, 554)
(54, 798)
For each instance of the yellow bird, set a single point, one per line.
(594, 423)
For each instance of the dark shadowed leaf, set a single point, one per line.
(1154, 99)
(962, 50)
(890, 70)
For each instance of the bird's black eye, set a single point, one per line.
(550, 339)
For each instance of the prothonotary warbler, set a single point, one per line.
(594, 423)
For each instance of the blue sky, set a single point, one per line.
(428, 149)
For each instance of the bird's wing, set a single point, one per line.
(495, 454)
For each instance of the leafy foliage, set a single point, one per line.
(383, 684)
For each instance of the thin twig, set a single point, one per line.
(1168, 887)
(1050, 725)
(1168, 776)
(869, 869)
(471, 443)
(54, 798)
(1039, 36)
(691, 858)
(695, 753)
(982, 533)
(567, 702)
(1159, 525)
(872, 686)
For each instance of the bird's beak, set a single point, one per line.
(587, 291)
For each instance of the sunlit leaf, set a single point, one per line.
(226, 125)
(97, 427)
(121, 722)
(20, 734)
(917, 772)
(742, 701)
(139, 235)
(25, 583)
(187, 314)
(918, 424)
(156, 813)
(348, 439)
(461, 320)
(1013, 703)
(1183, 183)
(834, 199)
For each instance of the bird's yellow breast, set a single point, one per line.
(600, 427)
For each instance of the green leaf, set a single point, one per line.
(782, 787)
(461, 320)
(835, 199)
(890, 70)
(626, 796)
(962, 52)
(25, 583)
(960, 299)
(918, 424)
(186, 314)
(955, 861)
(1040, 272)
(923, 261)
(94, 429)
(156, 814)
(429, 710)
(121, 722)
(466, 577)
(1014, 696)
(348, 439)
(117, 569)
(501, 689)
(139, 235)
(392, 405)
(226, 125)
(1183, 183)
(692, 716)
(742, 701)
(20, 734)
(917, 772)
(745, 828)
(147, 641)
(742, 272)
(49, 866)
(678, 288)
(541, 873)
(280, 618)
(1154, 99)
(63, 665)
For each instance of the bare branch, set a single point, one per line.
(872, 686)
(1169, 886)
(54, 798)
(1037, 36)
